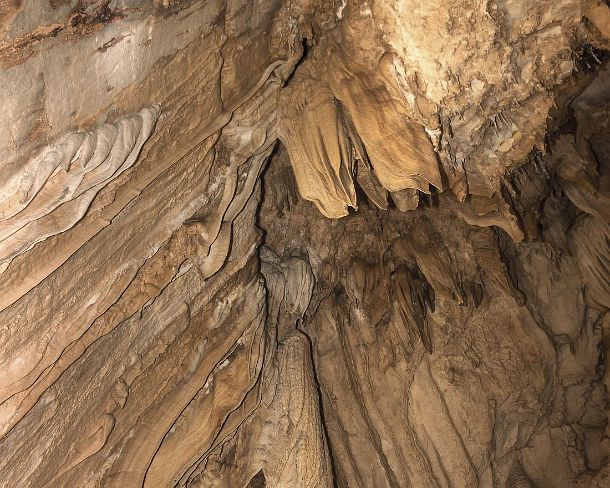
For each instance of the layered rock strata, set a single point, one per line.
(304, 244)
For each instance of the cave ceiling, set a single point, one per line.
(304, 243)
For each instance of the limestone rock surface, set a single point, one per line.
(304, 243)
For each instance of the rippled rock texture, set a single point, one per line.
(307, 243)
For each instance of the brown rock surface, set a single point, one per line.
(306, 243)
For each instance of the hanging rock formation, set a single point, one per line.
(304, 244)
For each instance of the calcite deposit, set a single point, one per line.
(304, 243)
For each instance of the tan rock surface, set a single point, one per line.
(305, 243)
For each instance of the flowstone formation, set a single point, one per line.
(307, 243)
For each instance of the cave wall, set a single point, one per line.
(304, 244)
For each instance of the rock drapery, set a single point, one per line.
(304, 243)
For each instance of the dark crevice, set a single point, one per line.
(589, 58)
(304, 56)
(258, 481)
